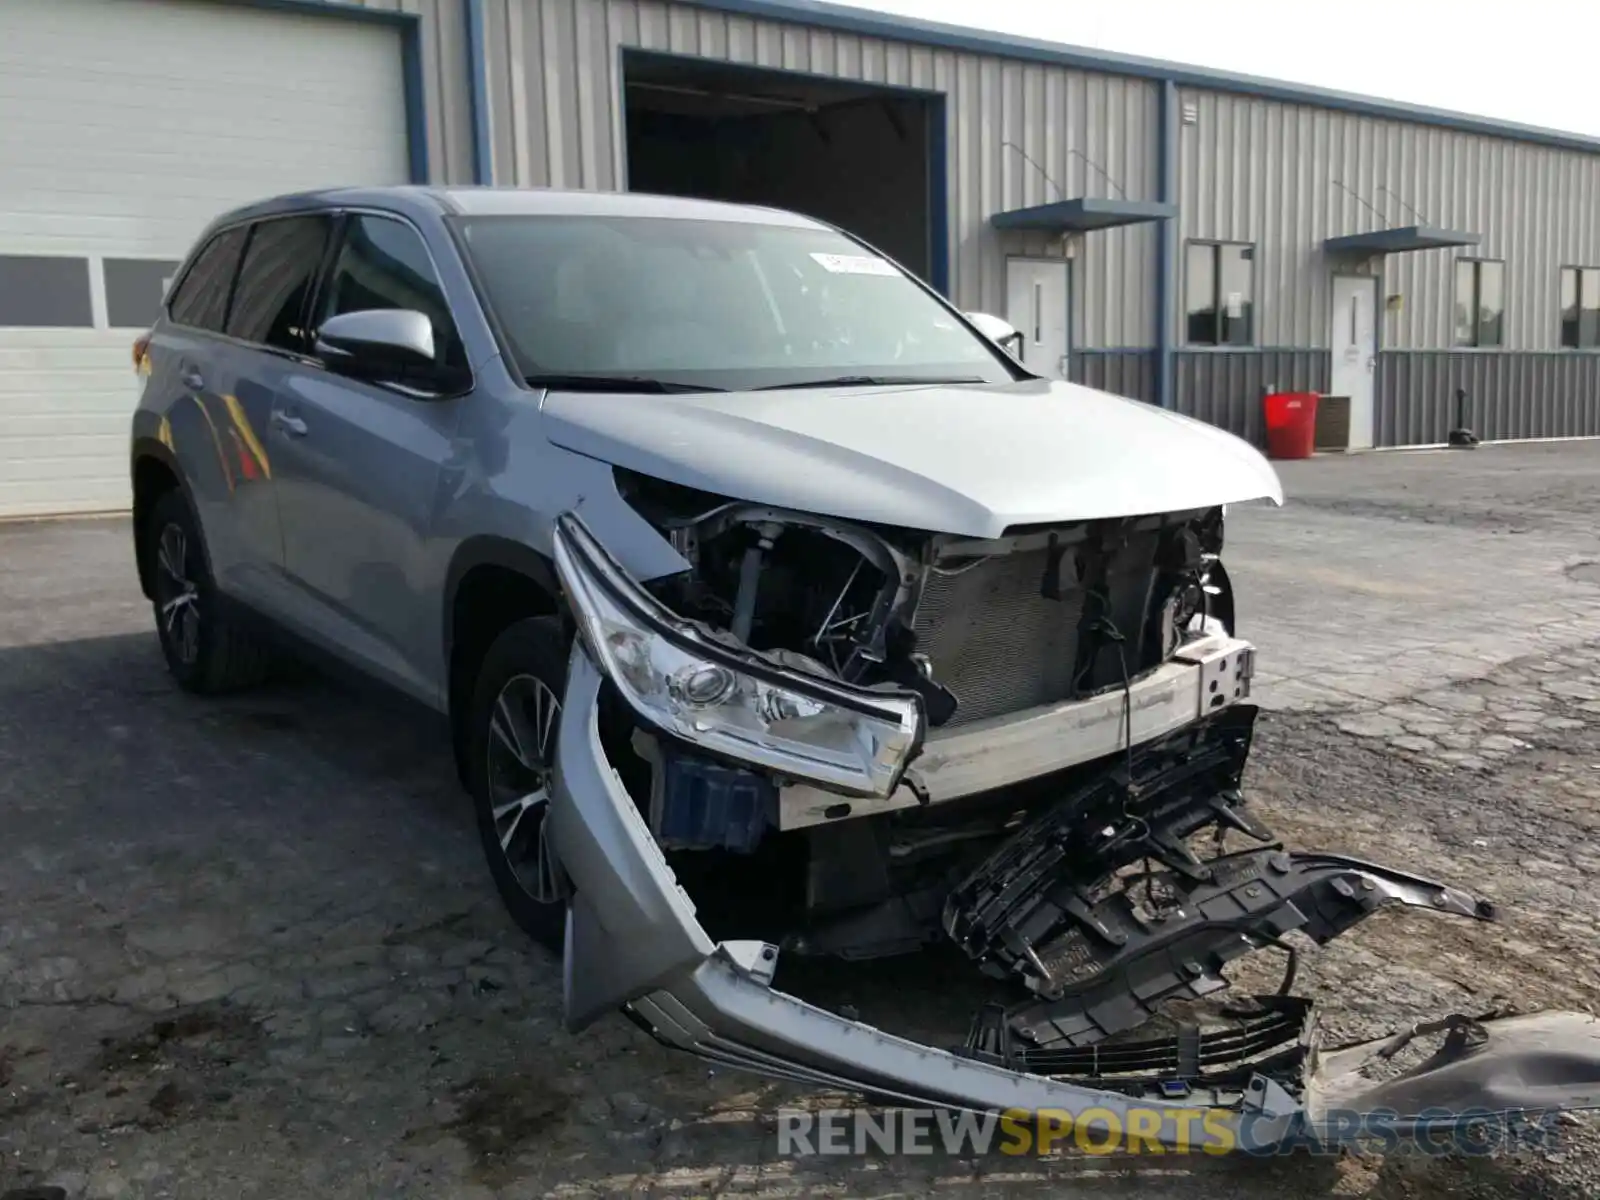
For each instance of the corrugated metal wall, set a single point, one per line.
(554, 85)
(445, 82)
(1225, 387)
(1130, 373)
(1286, 177)
(1282, 176)
(1547, 394)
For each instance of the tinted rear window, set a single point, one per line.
(280, 266)
(201, 299)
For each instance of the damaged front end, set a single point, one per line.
(1031, 748)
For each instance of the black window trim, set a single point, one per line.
(1477, 288)
(338, 216)
(1216, 293)
(304, 354)
(248, 224)
(324, 280)
(1580, 348)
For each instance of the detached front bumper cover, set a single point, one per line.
(633, 942)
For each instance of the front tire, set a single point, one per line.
(207, 652)
(512, 726)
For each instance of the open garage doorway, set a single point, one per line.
(866, 158)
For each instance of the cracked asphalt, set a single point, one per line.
(247, 948)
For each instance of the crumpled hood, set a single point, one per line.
(968, 460)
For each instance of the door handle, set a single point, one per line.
(293, 426)
(193, 380)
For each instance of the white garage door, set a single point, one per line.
(126, 125)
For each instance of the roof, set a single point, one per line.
(867, 23)
(1399, 240)
(1083, 215)
(507, 201)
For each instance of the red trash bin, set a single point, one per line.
(1291, 423)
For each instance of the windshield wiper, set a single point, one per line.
(616, 383)
(868, 381)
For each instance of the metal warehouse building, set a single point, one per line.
(1182, 236)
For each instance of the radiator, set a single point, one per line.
(994, 639)
(1001, 646)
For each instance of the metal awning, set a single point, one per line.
(1396, 241)
(1084, 215)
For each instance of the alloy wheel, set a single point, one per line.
(178, 594)
(522, 727)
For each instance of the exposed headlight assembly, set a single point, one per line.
(725, 698)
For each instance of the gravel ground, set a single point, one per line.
(247, 948)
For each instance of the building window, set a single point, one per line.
(1480, 302)
(134, 287)
(44, 292)
(1580, 308)
(1219, 303)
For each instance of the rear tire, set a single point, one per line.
(512, 724)
(207, 651)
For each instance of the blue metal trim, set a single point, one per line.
(416, 103)
(939, 196)
(1396, 241)
(1167, 245)
(1203, 350)
(410, 26)
(1480, 351)
(975, 41)
(621, 99)
(1085, 214)
(478, 98)
(334, 8)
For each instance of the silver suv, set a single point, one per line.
(774, 608)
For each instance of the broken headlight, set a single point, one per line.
(683, 679)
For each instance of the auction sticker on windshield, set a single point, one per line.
(855, 264)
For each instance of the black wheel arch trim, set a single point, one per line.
(152, 448)
(492, 550)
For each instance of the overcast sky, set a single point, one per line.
(1530, 61)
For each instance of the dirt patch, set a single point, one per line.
(178, 1069)
(498, 1119)
(209, 1034)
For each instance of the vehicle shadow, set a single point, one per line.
(61, 700)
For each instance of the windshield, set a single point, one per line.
(712, 304)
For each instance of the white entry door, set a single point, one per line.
(1355, 351)
(1036, 304)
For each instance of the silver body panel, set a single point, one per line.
(967, 460)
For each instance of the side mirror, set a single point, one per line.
(1002, 332)
(393, 344)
